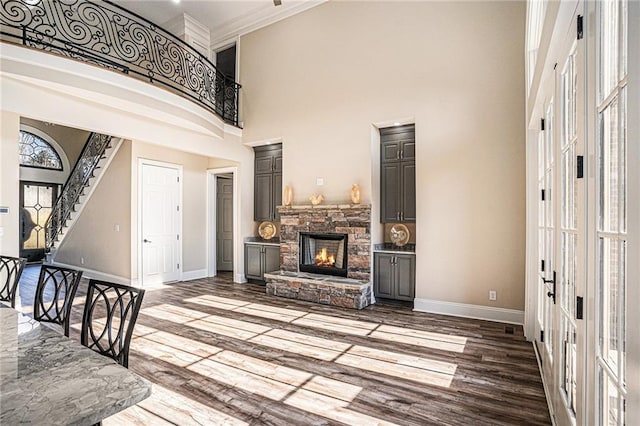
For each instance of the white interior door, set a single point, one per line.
(160, 223)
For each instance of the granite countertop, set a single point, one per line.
(392, 248)
(47, 378)
(258, 240)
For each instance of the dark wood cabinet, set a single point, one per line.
(260, 258)
(267, 182)
(394, 276)
(398, 174)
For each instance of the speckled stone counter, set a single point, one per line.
(47, 378)
(392, 248)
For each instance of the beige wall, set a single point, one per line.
(194, 201)
(321, 79)
(94, 237)
(9, 188)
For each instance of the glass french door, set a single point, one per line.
(611, 227)
(572, 233)
(562, 227)
(36, 204)
(546, 240)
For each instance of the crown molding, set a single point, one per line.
(256, 20)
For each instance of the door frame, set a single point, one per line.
(211, 229)
(141, 163)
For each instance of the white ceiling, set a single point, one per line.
(224, 18)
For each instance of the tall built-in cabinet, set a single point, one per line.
(398, 174)
(267, 182)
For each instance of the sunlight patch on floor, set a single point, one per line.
(165, 407)
(389, 333)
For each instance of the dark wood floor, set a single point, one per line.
(224, 353)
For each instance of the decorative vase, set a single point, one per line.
(355, 193)
(288, 195)
(316, 199)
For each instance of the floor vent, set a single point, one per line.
(509, 330)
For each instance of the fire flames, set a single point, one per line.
(324, 259)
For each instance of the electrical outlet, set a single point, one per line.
(116, 227)
(319, 181)
(82, 260)
(493, 295)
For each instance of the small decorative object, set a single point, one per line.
(288, 195)
(316, 199)
(267, 230)
(355, 193)
(399, 234)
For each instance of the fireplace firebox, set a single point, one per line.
(324, 253)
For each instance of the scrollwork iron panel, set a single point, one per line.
(105, 34)
(77, 181)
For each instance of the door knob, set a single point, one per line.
(146, 241)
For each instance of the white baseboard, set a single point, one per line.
(544, 386)
(240, 279)
(489, 313)
(96, 275)
(193, 275)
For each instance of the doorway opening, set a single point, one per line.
(222, 206)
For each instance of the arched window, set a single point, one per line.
(36, 152)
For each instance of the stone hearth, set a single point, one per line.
(324, 289)
(353, 220)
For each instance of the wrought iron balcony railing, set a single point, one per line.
(73, 189)
(105, 34)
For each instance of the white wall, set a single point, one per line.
(320, 79)
(94, 238)
(9, 183)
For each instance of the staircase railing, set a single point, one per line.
(77, 181)
(105, 34)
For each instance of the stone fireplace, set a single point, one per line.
(325, 255)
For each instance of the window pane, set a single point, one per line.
(609, 403)
(611, 166)
(611, 264)
(36, 152)
(608, 46)
(569, 359)
(623, 38)
(623, 160)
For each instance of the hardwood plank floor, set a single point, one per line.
(224, 353)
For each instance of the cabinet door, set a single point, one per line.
(383, 275)
(408, 148)
(253, 261)
(263, 197)
(390, 192)
(277, 161)
(405, 277)
(390, 151)
(264, 163)
(271, 259)
(408, 194)
(277, 195)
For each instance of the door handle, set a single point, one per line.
(146, 241)
(551, 294)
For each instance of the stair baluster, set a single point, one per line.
(73, 189)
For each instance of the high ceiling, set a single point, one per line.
(225, 18)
